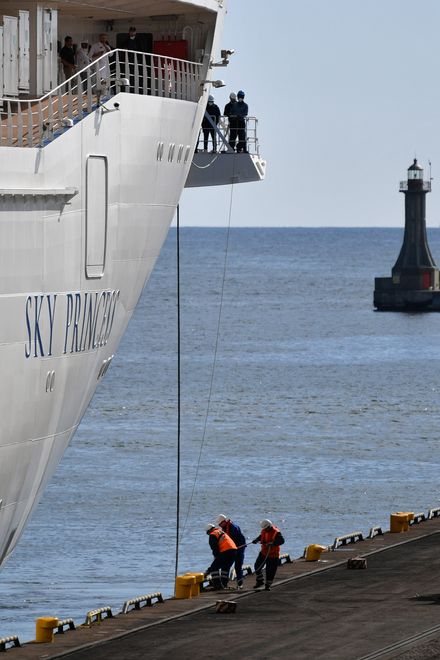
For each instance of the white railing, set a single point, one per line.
(222, 143)
(403, 187)
(32, 123)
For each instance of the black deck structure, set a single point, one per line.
(414, 281)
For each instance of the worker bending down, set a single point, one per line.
(234, 531)
(224, 551)
(270, 539)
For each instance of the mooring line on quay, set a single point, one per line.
(247, 594)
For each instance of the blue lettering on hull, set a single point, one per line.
(82, 321)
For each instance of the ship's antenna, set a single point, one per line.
(178, 394)
(430, 176)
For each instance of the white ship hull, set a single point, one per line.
(67, 288)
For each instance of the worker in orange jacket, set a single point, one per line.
(224, 551)
(234, 531)
(270, 539)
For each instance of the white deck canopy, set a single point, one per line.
(104, 9)
(34, 33)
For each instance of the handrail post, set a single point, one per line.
(89, 91)
(127, 69)
(79, 96)
(30, 126)
(160, 77)
(136, 73)
(173, 86)
(9, 139)
(19, 127)
(117, 72)
(146, 69)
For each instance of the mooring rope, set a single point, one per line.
(178, 392)
(208, 407)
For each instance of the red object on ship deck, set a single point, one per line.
(177, 49)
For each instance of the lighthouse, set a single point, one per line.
(414, 281)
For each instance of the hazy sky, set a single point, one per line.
(347, 93)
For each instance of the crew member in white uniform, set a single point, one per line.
(97, 50)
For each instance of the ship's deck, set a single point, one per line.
(317, 609)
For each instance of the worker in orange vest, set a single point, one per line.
(270, 539)
(224, 551)
(234, 531)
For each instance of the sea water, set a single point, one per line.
(299, 403)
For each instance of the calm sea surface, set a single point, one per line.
(324, 416)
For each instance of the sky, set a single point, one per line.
(347, 94)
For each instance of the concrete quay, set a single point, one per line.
(315, 609)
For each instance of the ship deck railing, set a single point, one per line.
(223, 134)
(35, 122)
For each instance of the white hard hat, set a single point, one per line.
(209, 526)
(233, 96)
(265, 523)
(221, 518)
(211, 98)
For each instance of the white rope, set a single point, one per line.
(213, 362)
(204, 167)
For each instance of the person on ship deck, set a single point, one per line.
(134, 43)
(238, 125)
(67, 56)
(213, 112)
(97, 50)
(229, 110)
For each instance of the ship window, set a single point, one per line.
(96, 215)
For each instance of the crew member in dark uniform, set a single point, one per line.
(270, 539)
(134, 43)
(208, 130)
(224, 551)
(229, 112)
(234, 531)
(67, 56)
(241, 111)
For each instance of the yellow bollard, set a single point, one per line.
(195, 588)
(409, 517)
(184, 585)
(44, 626)
(313, 552)
(399, 521)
